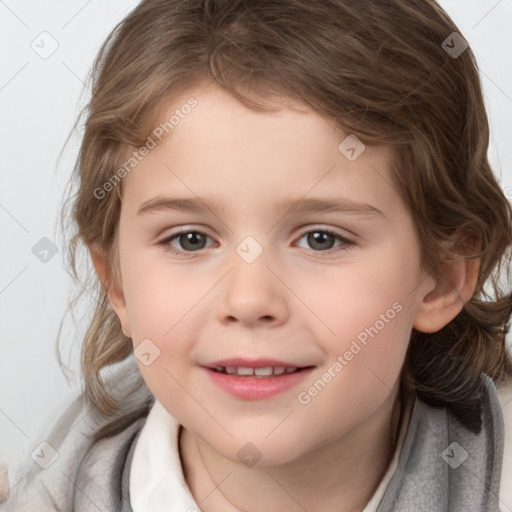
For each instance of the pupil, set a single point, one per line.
(319, 237)
(189, 241)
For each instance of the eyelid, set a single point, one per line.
(189, 228)
(328, 229)
(303, 231)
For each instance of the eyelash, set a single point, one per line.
(190, 254)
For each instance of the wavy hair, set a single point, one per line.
(380, 70)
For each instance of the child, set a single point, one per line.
(261, 371)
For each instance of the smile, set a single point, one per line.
(257, 383)
(268, 371)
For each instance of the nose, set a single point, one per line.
(253, 295)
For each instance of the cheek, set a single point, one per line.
(373, 292)
(165, 305)
(367, 309)
(160, 297)
(361, 371)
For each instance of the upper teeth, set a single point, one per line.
(269, 370)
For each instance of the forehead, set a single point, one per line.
(212, 145)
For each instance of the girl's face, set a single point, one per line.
(331, 287)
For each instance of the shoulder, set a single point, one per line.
(505, 395)
(37, 479)
(69, 451)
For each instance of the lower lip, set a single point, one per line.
(257, 388)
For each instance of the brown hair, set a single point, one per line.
(378, 70)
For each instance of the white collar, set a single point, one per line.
(157, 482)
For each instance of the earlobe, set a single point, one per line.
(440, 304)
(113, 289)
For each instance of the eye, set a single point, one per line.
(324, 239)
(190, 241)
(320, 240)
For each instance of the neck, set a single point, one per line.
(341, 475)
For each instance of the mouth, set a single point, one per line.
(261, 372)
(256, 379)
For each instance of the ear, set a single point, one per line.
(442, 299)
(114, 289)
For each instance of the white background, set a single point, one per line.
(39, 101)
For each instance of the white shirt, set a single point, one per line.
(157, 483)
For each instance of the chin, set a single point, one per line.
(256, 450)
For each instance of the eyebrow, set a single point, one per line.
(306, 205)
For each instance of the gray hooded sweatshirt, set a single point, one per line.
(443, 466)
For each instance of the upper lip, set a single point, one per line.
(251, 363)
